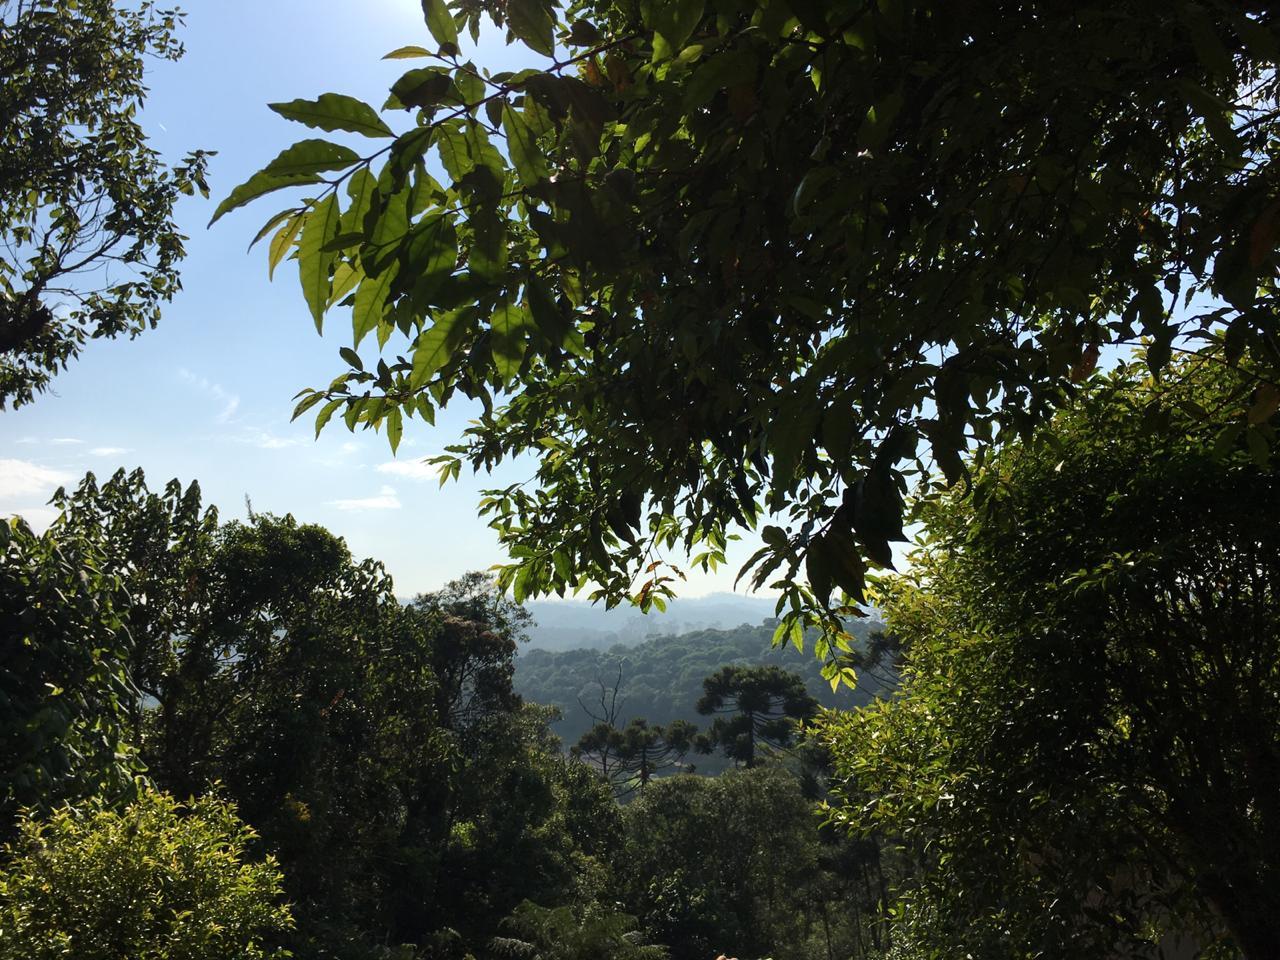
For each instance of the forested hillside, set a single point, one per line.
(660, 680)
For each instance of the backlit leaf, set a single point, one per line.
(320, 227)
(335, 111)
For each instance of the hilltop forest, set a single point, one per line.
(661, 680)
(999, 281)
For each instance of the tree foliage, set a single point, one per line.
(716, 865)
(561, 933)
(86, 206)
(632, 756)
(760, 707)
(65, 690)
(157, 880)
(717, 262)
(412, 799)
(1084, 754)
(377, 747)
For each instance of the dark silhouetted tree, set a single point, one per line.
(90, 247)
(758, 706)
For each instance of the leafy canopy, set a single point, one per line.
(65, 690)
(1091, 696)
(717, 261)
(90, 248)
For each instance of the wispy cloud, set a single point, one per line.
(22, 478)
(385, 500)
(413, 469)
(265, 439)
(228, 401)
(109, 451)
(58, 441)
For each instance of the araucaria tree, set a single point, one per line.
(760, 706)
(713, 260)
(629, 758)
(88, 244)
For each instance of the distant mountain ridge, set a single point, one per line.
(578, 625)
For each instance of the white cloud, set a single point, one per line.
(38, 518)
(230, 402)
(265, 440)
(350, 447)
(59, 441)
(22, 478)
(109, 451)
(413, 469)
(385, 500)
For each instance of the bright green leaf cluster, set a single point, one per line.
(159, 880)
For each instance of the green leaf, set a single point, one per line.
(440, 23)
(362, 187)
(371, 302)
(522, 145)
(531, 22)
(730, 69)
(345, 277)
(795, 633)
(312, 156)
(320, 227)
(488, 255)
(818, 570)
(551, 323)
(584, 33)
(395, 428)
(409, 52)
(433, 347)
(389, 230)
(326, 412)
(274, 221)
(335, 111)
(260, 183)
(848, 570)
(282, 242)
(311, 398)
(431, 252)
(672, 22)
(509, 339)
(424, 87)
(407, 151)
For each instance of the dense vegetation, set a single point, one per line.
(1088, 735)
(660, 680)
(767, 261)
(377, 752)
(717, 263)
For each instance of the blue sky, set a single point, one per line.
(207, 395)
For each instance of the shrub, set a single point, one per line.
(160, 880)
